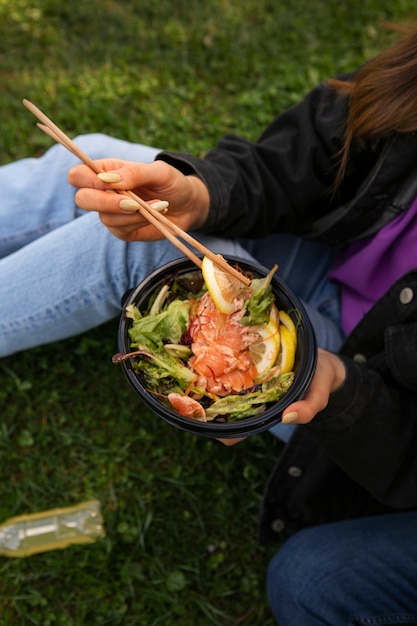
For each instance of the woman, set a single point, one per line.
(338, 175)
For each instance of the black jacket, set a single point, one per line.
(359, 455)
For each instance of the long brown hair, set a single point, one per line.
(382, 95)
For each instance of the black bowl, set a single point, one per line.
(305, 362)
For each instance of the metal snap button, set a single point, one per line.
(278, 525)
(406, 295)
(359, 358)
(295, 471)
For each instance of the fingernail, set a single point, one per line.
(109, 177)
(129, 205)
(290, 418)
(160, 206)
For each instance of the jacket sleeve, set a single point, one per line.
(369, 429)
(281, 182)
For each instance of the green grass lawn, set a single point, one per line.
(180, 512)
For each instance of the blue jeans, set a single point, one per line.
(352, 573)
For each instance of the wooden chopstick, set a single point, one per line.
(163, 224)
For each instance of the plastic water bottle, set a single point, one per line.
(50, 530)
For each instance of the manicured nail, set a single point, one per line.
(290, 418)
(129, 205)
(160, 206)
(109, 177)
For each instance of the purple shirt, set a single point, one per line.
(366, 269)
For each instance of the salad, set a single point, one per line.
(212, 348)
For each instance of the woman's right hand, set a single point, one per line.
(158, 181)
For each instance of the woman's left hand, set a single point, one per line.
(329, 376)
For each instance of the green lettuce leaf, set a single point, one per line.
(161, 369)
(242, 406)
(168, 325)
(258, 306)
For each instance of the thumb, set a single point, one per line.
(304, 411)
(329, 376)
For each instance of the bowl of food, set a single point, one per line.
(214, 356)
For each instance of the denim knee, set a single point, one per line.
(303, 577)
(290, 577)
(352, 572)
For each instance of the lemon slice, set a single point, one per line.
(221, 286)
(264, 352)
(285, 320)
(286, 357)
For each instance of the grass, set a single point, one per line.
(180, 512)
